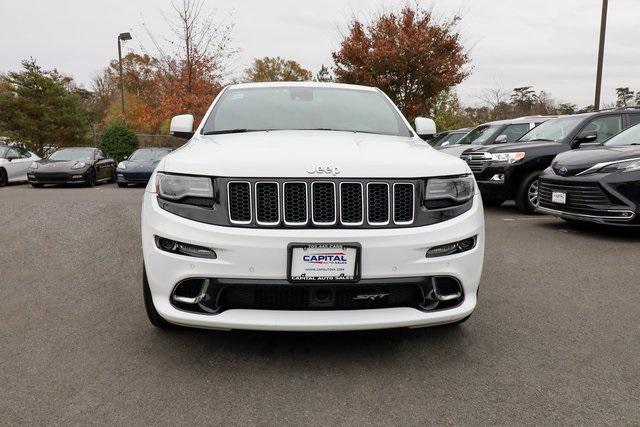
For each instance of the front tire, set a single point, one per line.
(153, 315)
(37, 185)
(91, 179)
(527, 197)
(3, 178)
(122, 184)
(492, 202)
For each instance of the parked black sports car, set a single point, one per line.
(138, 167)
(78, 165)
(596, 184)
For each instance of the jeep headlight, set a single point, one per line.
(448, 192)
(33, 166)
(508, 157)
(622, 166)
(176, 187)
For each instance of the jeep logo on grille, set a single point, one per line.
(328, 170)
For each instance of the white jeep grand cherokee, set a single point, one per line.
(309, 207)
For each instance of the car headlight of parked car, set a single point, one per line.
(623, 166)
(177, 187)
(508, 157)
(34, 165)
(78, 165)
(448, 192)
(122, 165)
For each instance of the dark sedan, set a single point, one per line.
(595, 184)
(77, 165)
(137, 168)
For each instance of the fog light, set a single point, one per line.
(497, 177)
(452, 248)
(76, 177)
(187, 249)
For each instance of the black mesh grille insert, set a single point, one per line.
(240, 201)
(331, 297)
(324, 202)
(378, 203)
(295, 202)
(267, 210)
(403, 202)
(351, 203)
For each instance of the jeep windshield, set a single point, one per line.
(552, 130)
(480, 135)
(304, 108)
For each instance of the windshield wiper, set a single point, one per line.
(220, 132)
(540, 139)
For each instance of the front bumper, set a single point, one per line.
(127, 177)
(496, 180)
(603, 198)
(79, 177)
(252, 254)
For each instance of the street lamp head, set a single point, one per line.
(124, 36)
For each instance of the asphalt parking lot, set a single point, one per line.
(555, 338)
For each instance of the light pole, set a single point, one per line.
(122, 37)
(603, 30)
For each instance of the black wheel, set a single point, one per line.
(91, 178)
(490, 201)
(37, 185)
(154, 317)
(527, 197)
(3, 178)
(122, 184)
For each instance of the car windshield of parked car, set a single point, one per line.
(630, 136)
(480, 135)
(552, 130)
(68, 154)
(304, 108)
(3, 152)
(148, 155)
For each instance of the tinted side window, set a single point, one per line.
(605, 126)
(634, 119)
(514, 132)
(12, 154)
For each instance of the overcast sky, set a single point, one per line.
(549, 44)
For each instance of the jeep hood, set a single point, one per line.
(293, 153)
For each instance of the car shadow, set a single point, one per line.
(594, 230)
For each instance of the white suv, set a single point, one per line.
(309, 207)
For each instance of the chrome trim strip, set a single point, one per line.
(277, 202)
(335, 203)
(361, 199)
(413, 207)
(306, 202)
(229, 203)
(388, 204)
(598, 166)
(579, 215)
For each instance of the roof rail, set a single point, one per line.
(626, 107)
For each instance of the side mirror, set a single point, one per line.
(182, 126)
(12, 157)
(501, 139)
(425, 128)
(585, 137)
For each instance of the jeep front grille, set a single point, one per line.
(323, 203)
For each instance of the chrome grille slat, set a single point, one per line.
(323, 203)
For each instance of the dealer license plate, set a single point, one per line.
(324, 262)
(559, 197)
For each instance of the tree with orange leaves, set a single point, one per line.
(410, 55)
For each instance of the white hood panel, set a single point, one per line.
(289, 154)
